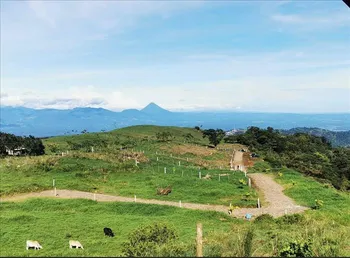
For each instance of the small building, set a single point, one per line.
(16, 151)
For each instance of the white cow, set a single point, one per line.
(76, 244)
(33, 244)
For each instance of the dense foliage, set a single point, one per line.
(341, 138)
(297, 249)
(309, 154)
(153, 240)
(214, 136)
(31, 145)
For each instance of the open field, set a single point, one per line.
(52, 221)
(113, 171)
(110, 170)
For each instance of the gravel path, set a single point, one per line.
(71, 194)
(277, 203)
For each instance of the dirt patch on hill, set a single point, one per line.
(190, 148)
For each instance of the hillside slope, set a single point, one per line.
(335, 138)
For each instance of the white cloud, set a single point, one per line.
(64, 25)
(73, 97)
(313, 20)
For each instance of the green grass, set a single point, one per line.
(108, 171)
(51, 221)
(304, 190)
(98, 175)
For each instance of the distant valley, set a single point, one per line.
(53, 122)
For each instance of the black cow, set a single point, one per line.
(108, 232)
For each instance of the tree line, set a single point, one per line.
(341, 138)
(312, 155)
(30, 144)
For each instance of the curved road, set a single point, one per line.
(278, 203)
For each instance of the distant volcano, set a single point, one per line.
(153, 108)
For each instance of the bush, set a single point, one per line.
(153, 240)
(46, 165)
(264, 218)
(297, 249)
(291, 219)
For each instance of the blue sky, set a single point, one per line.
(270, 56)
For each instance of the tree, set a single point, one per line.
(32, 145)
(214, 136)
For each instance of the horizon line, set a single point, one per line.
(186, 111)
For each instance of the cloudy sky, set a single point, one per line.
(290, 56)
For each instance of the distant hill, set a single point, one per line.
(341, 138)
(153, 108)
(51, 122)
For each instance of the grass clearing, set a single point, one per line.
(112, 171)
(51, 222)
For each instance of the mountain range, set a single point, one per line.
(52, 122)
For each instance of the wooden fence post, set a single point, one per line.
(199, 252)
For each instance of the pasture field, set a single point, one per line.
(111, 170)
(53, 222)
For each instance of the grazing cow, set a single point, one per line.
(33, 244)
(108, 232)
(75, 244)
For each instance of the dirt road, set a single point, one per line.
(71, 194)
(278, 203)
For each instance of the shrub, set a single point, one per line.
(297, 249)
(264, 218)
(153, 240)
(46, 165)
(290, 219)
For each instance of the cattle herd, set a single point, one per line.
(72, 243)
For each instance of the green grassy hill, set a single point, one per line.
(112, 170)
